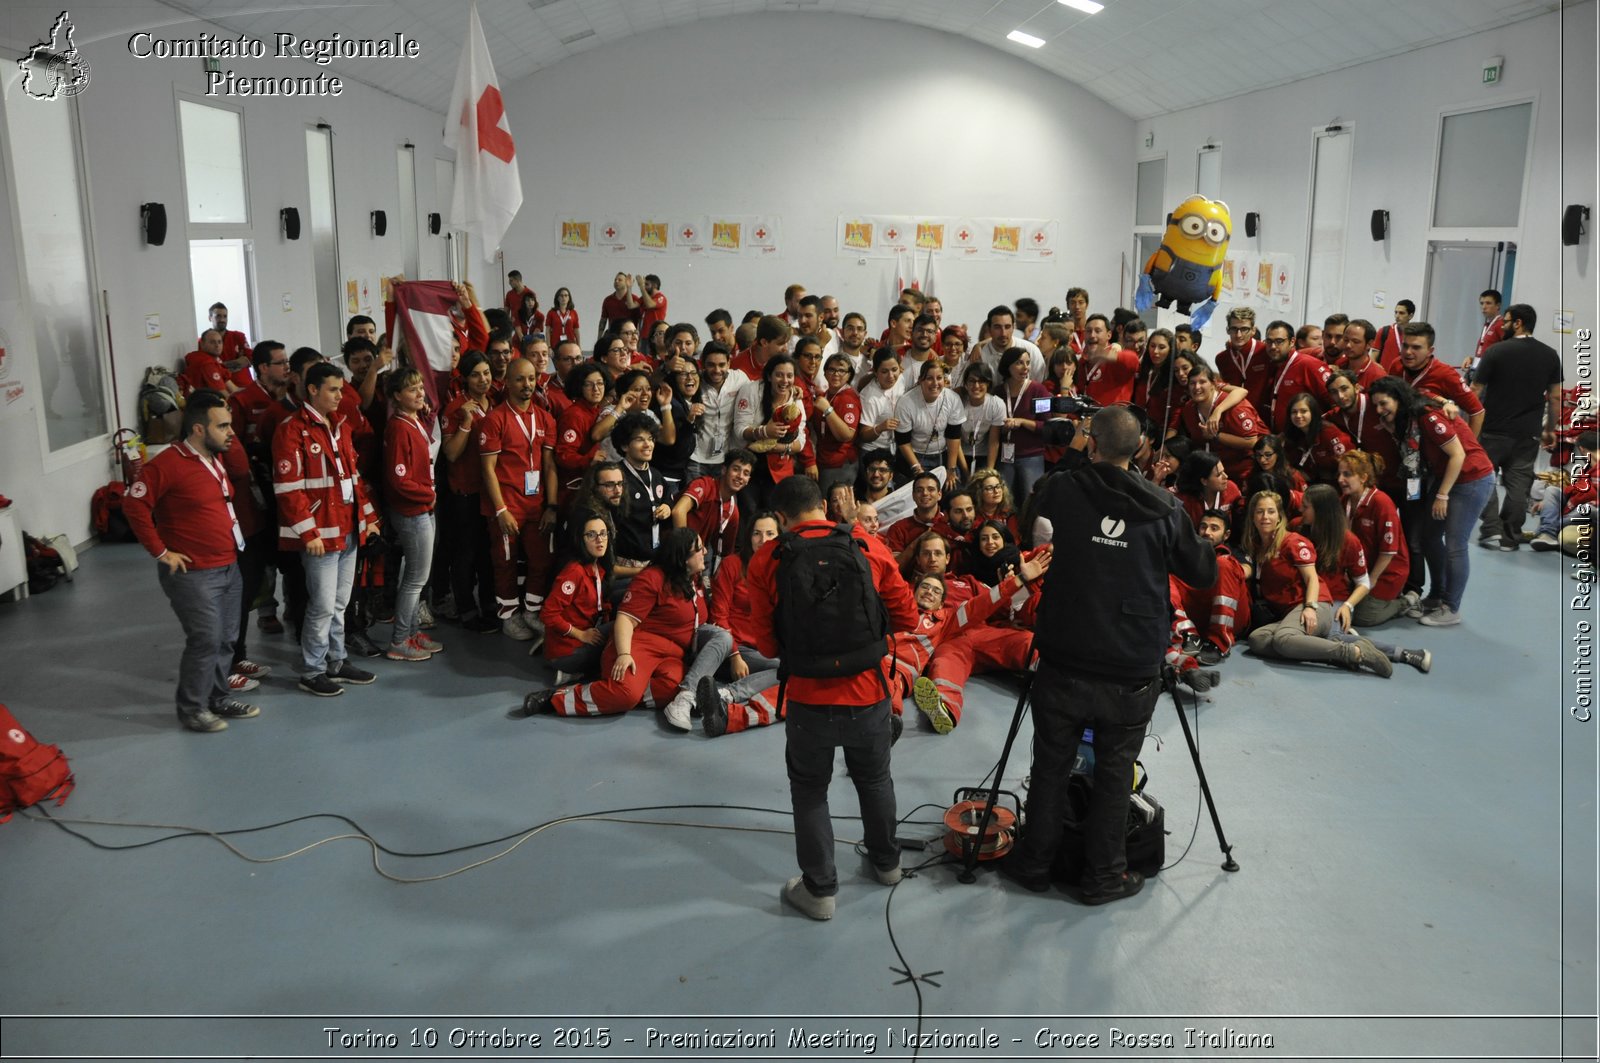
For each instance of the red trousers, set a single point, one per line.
(760, 711)
(1223, 609)
(979, 649)
(659, 671)
(530, 544)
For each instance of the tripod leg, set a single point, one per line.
(1169, 679)
(969, 859)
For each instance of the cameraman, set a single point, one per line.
(1104, 625)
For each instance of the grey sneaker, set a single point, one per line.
(409, 650)
(1492, 542)
(1444, 616)
(1413, 600)
(677, 711)
(430, 644)
(1544, 541)
(231, 709)
(795, 892)
(1363, 656)
(424, 615)
(516, 627)
(1421, 660)
(205, 721)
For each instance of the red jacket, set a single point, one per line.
(407, 468)
(576, 599)
(574, 449)
(1436, 378)
(309, 467)
(201, 370)
(1250, 369)
(179, 503)
(730, 601)
(865, 688)
(1298, 372)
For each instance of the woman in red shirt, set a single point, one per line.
(466, 534)
(408, 488)
(1227, 429)
(776, 428)
(577, 612)
(730, 597)
(577, 442)
(561, 320)
(1342, 565)
(1310, 444)
(529, 318)
(661, 622)
(1459, 479)
(836, 419)
(1374, 520)
(1203, 484)
(1292, 606)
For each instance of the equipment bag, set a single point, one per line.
(105, 513)
(829, 620)
(1147, 832)
(30, 771)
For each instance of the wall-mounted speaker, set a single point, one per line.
(1252, 223)
(1380, 224)
(1572, 220)
(380, 223)
(291, 222)
(154, 218)
(435, 223)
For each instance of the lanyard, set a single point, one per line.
(333, 434)
(1244, 366)
(1351, 508)
(426, 442)
(220, 475)
(1278, 385)
(527, 433)
(647, 478)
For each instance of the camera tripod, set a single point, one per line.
(973, 842)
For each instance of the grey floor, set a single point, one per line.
(1418, 865)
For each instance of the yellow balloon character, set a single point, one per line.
(1187, 267)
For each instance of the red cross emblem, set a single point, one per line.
(491, 138)
(1283, 276)
(892, 233)
(688, 233)
(1039, 237)
(610, 232)
(964, 235)
(761, 234)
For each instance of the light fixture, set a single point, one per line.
(1088, 7)
(1025, 38)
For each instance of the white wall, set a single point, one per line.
(1394, 108)
(808, 116)
(129, 115)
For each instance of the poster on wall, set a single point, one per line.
(1039, 239)
(574, 234)
(612, 235)
(931, 234)
(689, 235)
(762, 235)
(14, 397)
(857, 237)
(352, 296)
(1282, 297)
(655, 235)
(727, 236)
(966, 239)
(1244, 279)
(1004, 236)
(895, 234)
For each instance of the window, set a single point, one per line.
(61, 291)
(1150, 206)
(407, 163)
(1482, 158)
(221, 271)
(1330, 212)
(1208, 173)
(213, 164)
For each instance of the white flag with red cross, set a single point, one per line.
(488, 188)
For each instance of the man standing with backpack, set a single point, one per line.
(824, 599)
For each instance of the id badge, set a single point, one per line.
(1008, 453)
(655, 536)
(1413, 488)
(530, 483)
(347, 489)
(238, 537)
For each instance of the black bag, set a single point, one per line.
(829, 620)
(1147, 832)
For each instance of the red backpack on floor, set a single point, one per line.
(30, 771)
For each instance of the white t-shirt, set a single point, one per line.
(876, 408)
(714, 431)
(990, 357)
(927, 421)
(981, 418)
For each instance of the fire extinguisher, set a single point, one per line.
(129, 451)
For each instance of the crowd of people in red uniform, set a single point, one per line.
(606, 504)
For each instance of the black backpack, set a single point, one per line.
(829, 620)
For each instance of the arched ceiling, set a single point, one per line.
(1144, 57)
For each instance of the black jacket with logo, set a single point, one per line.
(1105, 607)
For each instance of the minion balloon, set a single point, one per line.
(1188, 265)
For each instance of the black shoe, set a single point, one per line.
(349, 673)
(713, 711)
(1132, 882)
(232, 709)
(1209, 655)
(538, 702)
(897, 727)
(1199, 680)
(1011, 867)
(1191, 643)
(320, 685)
(483, 625)
(358, 643)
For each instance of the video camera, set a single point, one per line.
(1068, 404)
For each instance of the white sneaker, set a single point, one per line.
(678, 710)
(1444, 616)
(516, 627)
(566, 679)
(1545, 541)
(239, 683)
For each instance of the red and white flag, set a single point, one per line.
(421, 316)
(488, 189)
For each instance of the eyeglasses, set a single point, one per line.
(1241, 328)
(994, 487)
(618, 349)
(610, 485)
(699, 548)
(597, 536)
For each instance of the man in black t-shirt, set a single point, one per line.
(1519, 381)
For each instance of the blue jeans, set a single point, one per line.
(206, 602)
(1552, 520)
(1020, 475)
(416, 542)
(811, 734)
(1445, 541)
(329, 579)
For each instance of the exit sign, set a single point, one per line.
(1491, 74)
